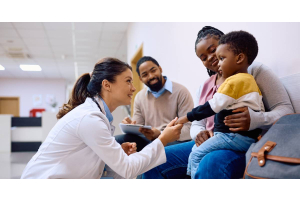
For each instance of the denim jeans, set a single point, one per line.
(220, 141)
(220, 164)
(141, 141)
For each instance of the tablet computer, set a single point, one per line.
(132, 128)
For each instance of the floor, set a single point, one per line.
(13, 164)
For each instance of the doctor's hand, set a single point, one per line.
(203, 136)
(171, 133)
(129, 148)
(127, 120)
(150, 134)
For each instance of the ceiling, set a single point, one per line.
(63, 49)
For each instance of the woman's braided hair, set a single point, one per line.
(207, 32)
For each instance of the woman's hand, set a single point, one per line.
(182, 120)
(150, 134)
(203, 136)
(127, 120)
(171, 133)
(129, 148)
(239, 121)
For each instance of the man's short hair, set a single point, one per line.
(241, 42)
(144, 59)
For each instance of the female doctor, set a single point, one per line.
(82, 142)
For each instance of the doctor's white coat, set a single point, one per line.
(82, 142)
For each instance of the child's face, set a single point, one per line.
(227, 61)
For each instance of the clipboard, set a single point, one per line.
(132, 128)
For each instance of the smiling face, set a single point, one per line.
(228, 61)
(122, 89)
(151, 75)
(206, 51)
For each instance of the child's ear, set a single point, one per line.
(240, 58)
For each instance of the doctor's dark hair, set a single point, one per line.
(142, 60)
(241, 42)
(90, 85)
(205, 33)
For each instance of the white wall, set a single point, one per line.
(173, 46)
(26, 88)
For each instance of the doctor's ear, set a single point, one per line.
(240, 58)
(106, 85)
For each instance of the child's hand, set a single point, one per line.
(182, 120)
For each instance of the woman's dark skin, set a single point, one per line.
(206, 52)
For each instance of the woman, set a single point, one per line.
(82, 142)
(223, 163)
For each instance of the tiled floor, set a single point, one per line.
(13, 164)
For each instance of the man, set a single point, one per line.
(157, 104)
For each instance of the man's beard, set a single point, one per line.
(156, 86)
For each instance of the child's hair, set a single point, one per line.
(241, 42)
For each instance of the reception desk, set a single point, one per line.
(18, 134)
(24, 133)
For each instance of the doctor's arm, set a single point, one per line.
(95, 133)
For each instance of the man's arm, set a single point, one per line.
(139, 118)
(137, 112)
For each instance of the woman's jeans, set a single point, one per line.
(220, 141)
(220, 164)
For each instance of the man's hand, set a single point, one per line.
(150, 134)
(182, 120)
(239, 121)
(127, 120)
(129, 148)
(203, 136)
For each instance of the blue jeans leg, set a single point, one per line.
(222, 164)
(220, 141)
(176, 165)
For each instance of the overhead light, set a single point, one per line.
(1, 67)
(30, 67)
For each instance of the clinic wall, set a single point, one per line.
(173, 46)
(26, 88)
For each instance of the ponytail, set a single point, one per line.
(78, 96)
(90, 85)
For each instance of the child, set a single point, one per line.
(236, 51)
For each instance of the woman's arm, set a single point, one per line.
(184, 105)
(275, 98)
(197, 126)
